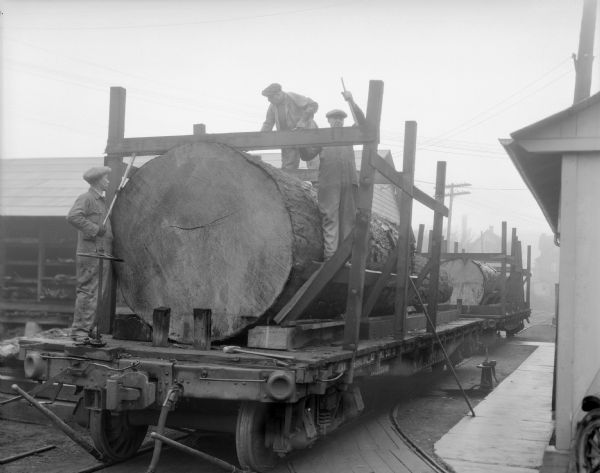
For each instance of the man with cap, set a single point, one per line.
(290, 111)
(338, 183)
(87, 215)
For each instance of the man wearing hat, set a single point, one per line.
(290, 111)
(87, 215)
(338, 183)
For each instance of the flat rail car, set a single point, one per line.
(293, 381)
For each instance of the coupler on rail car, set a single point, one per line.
(121, 397)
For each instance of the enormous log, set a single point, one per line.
(474, 282)
(209, 227)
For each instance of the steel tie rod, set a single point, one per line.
(448, 362)
(192, 451)
(58, 423)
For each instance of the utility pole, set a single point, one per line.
(453, 194)
(585, 54)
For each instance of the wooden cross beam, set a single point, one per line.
(400, 180)
(246, 141)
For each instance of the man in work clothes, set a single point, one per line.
(290, 111)
(338, 183)
(87, 215)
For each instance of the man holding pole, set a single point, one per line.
(94, 236)
(338, 183)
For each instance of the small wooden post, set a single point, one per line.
(429, 241)
(116, 132)
(436, 247)
(459, 306)
(455, 247)
(199, 129)
(528, 285)
(161, 321)
(41, 261)
(503, 270)
(202, 328)
(356, 280)
(405, 230)
(420, 237)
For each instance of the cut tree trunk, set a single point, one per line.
(474, 282)
(209, 227)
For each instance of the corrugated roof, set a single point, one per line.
(42, 187)
(47, 187)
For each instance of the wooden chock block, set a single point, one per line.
(161, 321)
(202, 328)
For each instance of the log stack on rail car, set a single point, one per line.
(206, 226)
(472, 281)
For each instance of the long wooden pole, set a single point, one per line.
(436, 247)
(116, 131)
(405, 230)
(356, 281)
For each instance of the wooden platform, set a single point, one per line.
(513, 423)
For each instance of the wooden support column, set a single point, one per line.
(361, 232)
(419, 248)
(405, 230)
(41, 260)
(116, 131)
(503, 268)
(436, 246)
(528, 284)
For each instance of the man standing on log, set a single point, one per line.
(87, 215)
(291, 111)
(338, 183)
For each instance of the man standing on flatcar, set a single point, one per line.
(291, 111)
(338, 183)
(87, 215)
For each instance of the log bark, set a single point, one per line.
(206, 226)
(474, 282)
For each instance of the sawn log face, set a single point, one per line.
(209, 227)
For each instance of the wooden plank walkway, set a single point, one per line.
(513, 424)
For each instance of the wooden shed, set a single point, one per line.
(559, 160)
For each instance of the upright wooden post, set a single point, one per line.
(436, 247)
(202, 328)
(503, 268)
(429, 241)
(405, 230)
(419, 248)
(455, 247)
(116, 131)
(528, 284)
(513, 250)
(356, 278)
(161, 320)
(41, 261)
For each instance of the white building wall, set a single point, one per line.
(578, 355)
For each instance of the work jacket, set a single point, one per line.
(86, 215)
(295, 108)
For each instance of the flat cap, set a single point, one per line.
(95, 173)
(272, 89)
(336, 112)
